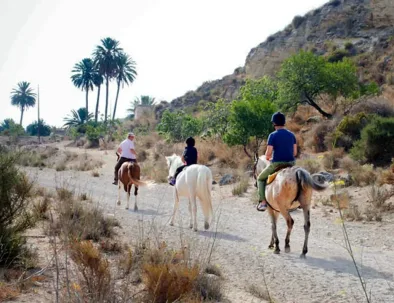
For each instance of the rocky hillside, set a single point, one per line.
(362, 29)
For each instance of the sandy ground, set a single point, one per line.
(241, 236)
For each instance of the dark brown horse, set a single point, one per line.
(129, 174)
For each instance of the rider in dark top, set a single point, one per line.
(189, 157)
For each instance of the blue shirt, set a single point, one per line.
(283, 142)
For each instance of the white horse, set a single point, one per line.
(194, 181)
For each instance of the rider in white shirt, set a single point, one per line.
(127, 153)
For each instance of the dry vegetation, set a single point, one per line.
(91, 264)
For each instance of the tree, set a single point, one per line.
(23, 97)
(83, 77)
(6, 124)
(97, 81)
(178, 126)
(305, 77)
(217, 118)
(32, 129)
(77, 118)
(250, 117)
(105, 57)
(125, 74)
(143, 100)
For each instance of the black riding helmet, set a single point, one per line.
(278, 119)
(190, 141)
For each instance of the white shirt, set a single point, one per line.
(126, 145)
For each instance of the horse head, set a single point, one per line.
(173, 162)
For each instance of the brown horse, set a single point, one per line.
(290, 185)
(129, 174)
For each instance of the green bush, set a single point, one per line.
(376, 143)
(15, 191)
(177, 126)
(349, 130)
(338, 55)
(32, 129)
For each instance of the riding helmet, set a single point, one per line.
(190, 141)
(278, 119)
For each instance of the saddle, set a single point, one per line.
(272, 177)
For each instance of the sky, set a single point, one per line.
(176, 44)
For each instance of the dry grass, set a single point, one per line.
(331, 159)
(170, 276)
(157, 171)
(8, 293)
(361, 175)
(353, 213)
(110, 246)
(241, 187)
(378, 196)
(78, 220)
(94, 269)
(311, 165)
(260, 293)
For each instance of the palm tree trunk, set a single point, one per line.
(22, 110)
(106, 98)
(87, 100)
(97, 103)
(116, 101)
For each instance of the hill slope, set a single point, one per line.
(364, 25)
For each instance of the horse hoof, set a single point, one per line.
(303, 256)
(118, 202)
(287, 249)
(271, 247)
(191, 226)
(276, 252)
(135, 208)
(171, 223)
(195, 229)
(206, 225)
(126, 207)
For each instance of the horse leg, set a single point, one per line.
(307, 227)
(290, 223)
(194, 210)
(135, 196)
(128, 195)
(176, 205)
(305, 203)
(191, 214)
(274, 218)
(119, 189)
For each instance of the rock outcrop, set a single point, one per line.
(367, 25)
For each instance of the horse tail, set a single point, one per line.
(134, 180)
(204, 184)
(305, 180)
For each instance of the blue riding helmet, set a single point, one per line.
(278, 119)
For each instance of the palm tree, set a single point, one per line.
(97, 80)
(77, 118)
(105, 57)
(23, 97)
(84, 72)
(143, 100)
(125, 74)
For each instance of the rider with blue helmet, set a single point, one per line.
(281, 150)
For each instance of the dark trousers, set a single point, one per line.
(178, 170)
(119, 164)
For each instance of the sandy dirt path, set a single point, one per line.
(241, 235)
